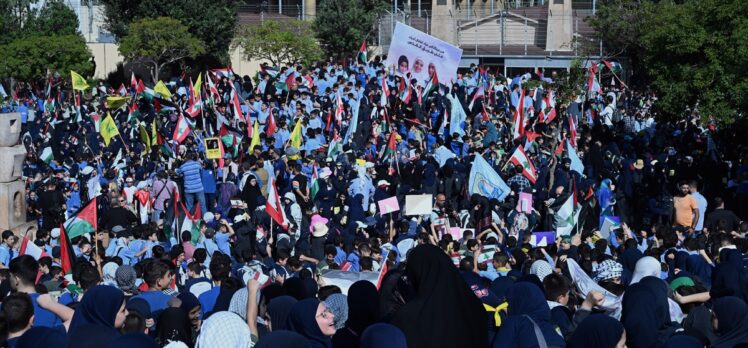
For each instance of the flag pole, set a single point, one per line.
(123, 142)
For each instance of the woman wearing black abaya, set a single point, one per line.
(443, 312)
(251, 194)
(363, 308)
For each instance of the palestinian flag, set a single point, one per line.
(84, 221)
(224, 72)
(519, 157)
(431, 86)
(67, 254)
(181, 131)
(273, 205)
(335, 145)
(405, 92)
(47, 155)
(272, 72)
(362, 55)
(315, 182)
(391, 149)
(191, 223)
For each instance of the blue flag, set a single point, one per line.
(576, 163)
(485, 181)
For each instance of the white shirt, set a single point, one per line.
(702, 204)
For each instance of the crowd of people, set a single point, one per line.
(234, 212)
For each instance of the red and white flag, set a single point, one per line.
(182, 130)
(29, 248)
(273, 205)
(519, 157)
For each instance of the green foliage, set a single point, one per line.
(164, 40)
(213, 22)
(280, 43)
(342, 25)
(18, 20)
(55, 18)
(568, 85)
(29, 58)
(691, 51)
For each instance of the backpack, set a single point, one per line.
(617, 116)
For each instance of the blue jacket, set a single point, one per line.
(192, 179)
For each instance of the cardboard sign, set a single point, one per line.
(541, 239)
(524, 204)
(609, 223)
(388, 205)
(212, 148)
(418, 204)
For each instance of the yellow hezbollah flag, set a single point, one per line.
(296, 135)
(198, 83)
(108, 129)
(154, 134)
(255, 137)
(161, 89)
(145, 137)
(116, 102)
(79, 83)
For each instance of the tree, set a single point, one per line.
(55, 18)
(29, 58)
(342, 25)
(280, 43)
(690, 52)
(163, 40)
(213, 22)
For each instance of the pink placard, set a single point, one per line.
(388, 205)
(525, 202)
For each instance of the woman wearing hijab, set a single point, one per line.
(728, 278)
(647, 266)
(600, 331)
(528, 312)
(383, 335)
(443, 312)
(283, 338)
(646, 314)
(191, 305)
(278, 310)
(225, 330)
(174, 326)
(98, 317)
(730, 322)
(251, 194)
(110, 271)
(363, 310)
(311, 319)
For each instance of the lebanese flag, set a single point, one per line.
(29, 248)
(308, 81)
(273, 205)
(519, 157)
(236, 106)
(213, 90)
(195, 102)
(225, 72)
(271, 126)
(133, 82)
(385, 92)
(405, 90)
(480, 94)
(560, 148)
(518, 128)
(572, 132)
(140, 87)
(182, 130)
(382, 271)
(291, 81)
(339, 110)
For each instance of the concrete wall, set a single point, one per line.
(106, 56)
